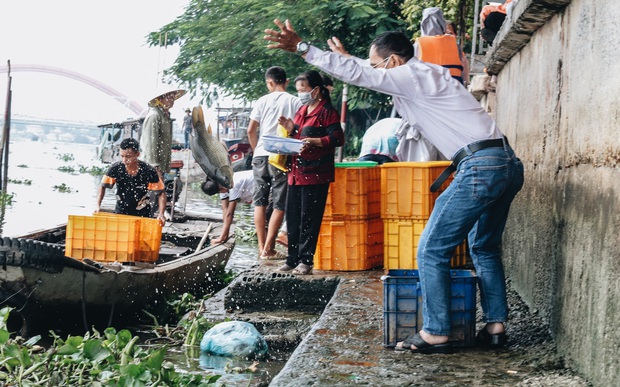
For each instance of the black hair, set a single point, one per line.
(276, 74)
(210, 187)
(327, 81)
(393, 42)
(314, 79)
(130, 143)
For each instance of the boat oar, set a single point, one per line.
(204, 237)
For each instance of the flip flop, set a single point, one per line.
(302, 269)
(422, 346)
(486, 339)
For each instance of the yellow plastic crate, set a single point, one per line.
(350, 245)
(105, 239)
(405, 188)
(400, 244)
(149, 237)
(355, 193)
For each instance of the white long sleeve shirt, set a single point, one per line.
(448, 115)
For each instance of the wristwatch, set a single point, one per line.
(303, 47)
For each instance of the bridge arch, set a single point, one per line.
(134, 106)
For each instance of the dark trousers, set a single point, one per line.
(305, 205)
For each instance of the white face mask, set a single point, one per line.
(305, 97)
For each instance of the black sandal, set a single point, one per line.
(486, 339)
(422, 346)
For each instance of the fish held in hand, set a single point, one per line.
(210, 154)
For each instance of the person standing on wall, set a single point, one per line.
(475, 205)
(267, 178)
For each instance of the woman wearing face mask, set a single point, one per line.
(317, 124)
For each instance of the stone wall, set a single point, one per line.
(557, 100)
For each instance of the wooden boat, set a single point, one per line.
(49, 290)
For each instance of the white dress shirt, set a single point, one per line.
(448, 115)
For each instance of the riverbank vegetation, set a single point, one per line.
(110, 358)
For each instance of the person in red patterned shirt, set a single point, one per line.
(317, 124)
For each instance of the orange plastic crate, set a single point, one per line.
(350, 245)
(149, 238)
(405, 188)
(400, 244)
(355, 193)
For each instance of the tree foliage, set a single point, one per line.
(222, 49)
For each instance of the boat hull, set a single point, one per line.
(82, 295)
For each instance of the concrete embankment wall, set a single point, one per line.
(558, 101)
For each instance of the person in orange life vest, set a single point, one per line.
(134, 179)
(437, 47)
(452, 30)
(491, 19)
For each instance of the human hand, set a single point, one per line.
(286, 39)
(336, 46)
(287, 123)
(310, 142)
(162, 219)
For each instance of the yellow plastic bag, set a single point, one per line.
(280, 161)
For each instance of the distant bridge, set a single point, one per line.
(134, 106)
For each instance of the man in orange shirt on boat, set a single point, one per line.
(133, 179)
(491, 19)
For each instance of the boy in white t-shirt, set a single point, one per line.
(243, 188)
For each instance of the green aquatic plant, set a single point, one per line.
(66, 168)
(94, 170)
(63, 188)
(24, 182)
(110, 358)
(6, 199)
(66, 157)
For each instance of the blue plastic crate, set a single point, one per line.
(402, 306)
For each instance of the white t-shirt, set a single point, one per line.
(243, 187)
(268, 110)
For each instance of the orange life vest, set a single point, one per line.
(441, 50)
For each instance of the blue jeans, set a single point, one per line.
(475, 205)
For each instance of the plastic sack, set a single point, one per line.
(234, 338)
(280, 161)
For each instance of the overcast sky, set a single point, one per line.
(104, 40)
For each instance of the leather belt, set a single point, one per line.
(460, 155)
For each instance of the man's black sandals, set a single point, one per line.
(422, 346)
(486, 339)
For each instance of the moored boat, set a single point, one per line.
(49, 290)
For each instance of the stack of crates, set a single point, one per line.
(351, 235)
(406, 205)
(402, 306)
(107, 237)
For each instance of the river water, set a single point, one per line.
(43, 196)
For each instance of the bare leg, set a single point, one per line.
(259, 223)
(274, 225)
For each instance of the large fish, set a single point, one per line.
(210, 154)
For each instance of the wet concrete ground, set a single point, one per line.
(344, 346)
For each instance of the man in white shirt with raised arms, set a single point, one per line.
(476, 203)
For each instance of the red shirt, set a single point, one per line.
(315, 165)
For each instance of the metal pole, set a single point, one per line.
(343, 115)
(475, 34)
(4, 143)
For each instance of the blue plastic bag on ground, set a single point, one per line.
(234, 338)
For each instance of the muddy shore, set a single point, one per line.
(343, 345)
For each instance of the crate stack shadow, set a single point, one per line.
(406, 205)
